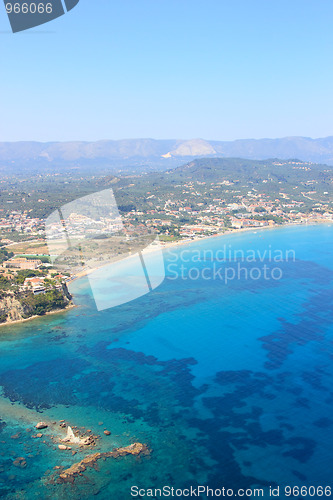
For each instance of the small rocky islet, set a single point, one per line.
(85, 440)
(69, 475)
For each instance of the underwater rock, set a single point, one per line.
(20, 462)
(87, 441)
(41, 425)
(69, 475)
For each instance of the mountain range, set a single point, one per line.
(150, 154)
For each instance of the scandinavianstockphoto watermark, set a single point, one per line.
(228, 264)
(90, 236)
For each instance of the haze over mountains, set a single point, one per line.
(157, 154)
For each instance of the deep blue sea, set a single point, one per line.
(229, 382)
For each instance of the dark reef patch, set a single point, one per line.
(302, 448)
(323, 422)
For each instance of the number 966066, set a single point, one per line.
(28, 8)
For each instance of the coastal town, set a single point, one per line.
(202, 199)
(253, 210)
(198, 205)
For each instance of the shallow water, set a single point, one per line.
(229, 384)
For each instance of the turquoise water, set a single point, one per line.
(229, 384)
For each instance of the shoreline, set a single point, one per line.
(241, 230)
(36, 316)
(162, 247)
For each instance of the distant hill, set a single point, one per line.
(198, 181)
(202, 180)
(151, 154)
(303, 148)
(245, 170)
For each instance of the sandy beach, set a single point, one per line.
(161, 246)
(175, 244)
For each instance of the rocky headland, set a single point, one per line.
(69, 475)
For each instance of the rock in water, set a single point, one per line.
(76, 469)
(41, 425)
(71, 436)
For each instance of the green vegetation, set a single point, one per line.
(48, 299)
(42, 303)
(216, 193)
(3, 317)
(22, 274)
(167, 238)
(5, 284)
(5, 255)
(211, 178)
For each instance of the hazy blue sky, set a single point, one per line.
(214, 69)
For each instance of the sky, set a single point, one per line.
(170, 69)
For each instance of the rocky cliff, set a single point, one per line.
(11, 309)
(17, 307)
